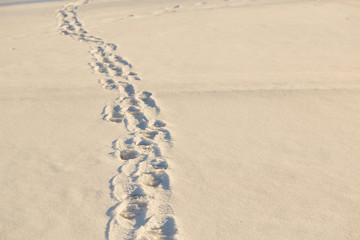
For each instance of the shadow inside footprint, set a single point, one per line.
(142, 121)
(150, 134)
(123, 61)
(128, 154)
(169, 228)
(159, 164)
(129, 89)
(116, 115)
(146, 98)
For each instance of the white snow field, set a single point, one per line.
(189, 120)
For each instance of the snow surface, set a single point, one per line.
(180, 120)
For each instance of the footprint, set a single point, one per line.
(114, 114)
(151, 134)
(134, 208)
(134, 111)
(159, 124)
(137, 193)
(151, 179)
(138, 118)
(63, 32)
(123, 187)
(127, 169)
(129, 89)
(133, 78)
(128, 154)
(97, 51)
(110, 47)
(131, 211)
(144, 142)
(114, 71)
(160, 229)
(98, 67)
(109, 84)
(166, 135)
(131, 101)
(122, 61)
(146, 98)
(159, 164)
(106, 60)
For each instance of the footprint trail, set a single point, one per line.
(141, 188)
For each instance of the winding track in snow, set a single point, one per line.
(141, 187)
